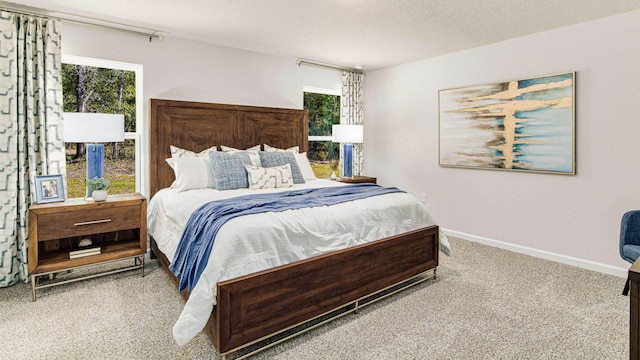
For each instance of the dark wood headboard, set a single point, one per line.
(197, 126)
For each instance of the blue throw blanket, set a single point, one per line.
(196, 242)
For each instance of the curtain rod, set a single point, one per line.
(321, 64)
(87, 21)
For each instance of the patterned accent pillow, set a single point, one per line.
(177, 152)
(229, 171)
(254, 153)
(277, 158)
(267, 178)
(295, 149)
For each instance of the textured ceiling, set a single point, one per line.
(373, 33)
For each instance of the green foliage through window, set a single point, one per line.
(99, 90)
(324, 112)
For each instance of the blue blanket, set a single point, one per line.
(197, 239)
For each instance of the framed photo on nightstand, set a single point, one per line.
(49, 188)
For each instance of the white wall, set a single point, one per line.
(180, 69)
(572, 217)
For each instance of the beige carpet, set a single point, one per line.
(487, 303)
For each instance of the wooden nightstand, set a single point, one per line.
(357, 179)
(117, 229)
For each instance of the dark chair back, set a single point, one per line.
(630, 234)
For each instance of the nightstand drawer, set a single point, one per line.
(77, 223)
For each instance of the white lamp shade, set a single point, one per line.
(93, 127)
(348, 133)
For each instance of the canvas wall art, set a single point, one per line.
(522, 125)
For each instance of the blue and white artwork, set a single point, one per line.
(526, 125)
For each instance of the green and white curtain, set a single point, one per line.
(31, 141)
(352, 113)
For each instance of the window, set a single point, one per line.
(324, 111)
(94, 85)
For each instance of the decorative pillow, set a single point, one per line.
(254, 153)
(192, 173)
(228, 169)
(177, 152)
(305, 166)
(272, 177)
(295, 149)
(277, 158)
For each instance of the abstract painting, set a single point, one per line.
(524, 125)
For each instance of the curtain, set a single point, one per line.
(352, 109)
(31, 140)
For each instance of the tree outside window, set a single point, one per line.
(324, 112)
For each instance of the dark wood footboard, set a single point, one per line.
(261, 304)
(258, 305)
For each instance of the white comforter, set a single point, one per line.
(260, 241)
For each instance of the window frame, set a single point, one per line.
(324, 91)
(139, 136)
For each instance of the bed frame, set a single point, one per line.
(257, 306)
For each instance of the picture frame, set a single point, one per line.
(49, 188)
(524, 125)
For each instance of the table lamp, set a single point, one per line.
(348, 135)
(93, 128)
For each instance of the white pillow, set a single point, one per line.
(177, 152)
(254, 153)
(295, 149)
(267, 178)
(192, 173)
(305, 166)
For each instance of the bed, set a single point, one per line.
(260, 304)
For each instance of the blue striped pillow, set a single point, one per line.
(228, 169)
(277, 158)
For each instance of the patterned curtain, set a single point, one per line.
(352, 108)
(31, 140)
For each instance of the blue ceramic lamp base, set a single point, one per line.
(347, 153)
(95, 163)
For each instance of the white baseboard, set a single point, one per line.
(581, 263)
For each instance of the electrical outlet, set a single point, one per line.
(423, 197)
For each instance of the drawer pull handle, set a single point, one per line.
(92, 222)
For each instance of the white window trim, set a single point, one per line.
(139, 135)
(320, 138)
(319, 90)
